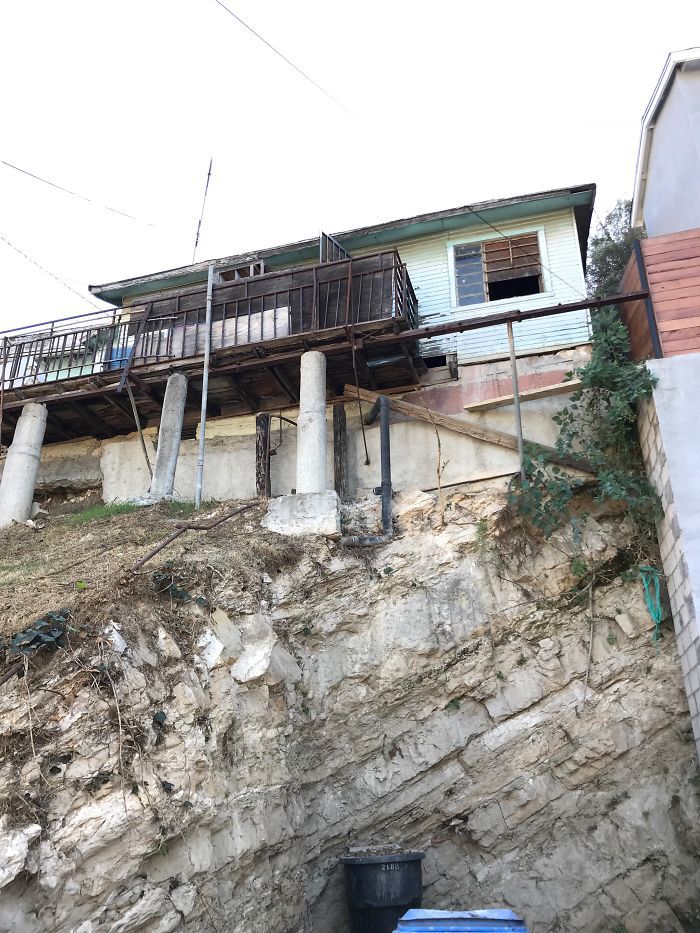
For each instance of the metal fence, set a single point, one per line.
(250, 311)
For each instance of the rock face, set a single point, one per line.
(204, 768)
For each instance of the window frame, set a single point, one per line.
(547, 286)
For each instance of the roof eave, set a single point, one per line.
(653, 108)
(579, 197)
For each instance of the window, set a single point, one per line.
(506, 267)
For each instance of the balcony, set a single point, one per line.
(260, 326)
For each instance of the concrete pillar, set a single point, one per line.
(169, 436)
(22, 465)
(311, 425)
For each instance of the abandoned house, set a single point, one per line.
(399, 304)
(378, 658)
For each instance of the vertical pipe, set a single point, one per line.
(516, 400)
(205, 392)
(385, 441)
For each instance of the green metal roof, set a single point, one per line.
(495, 212)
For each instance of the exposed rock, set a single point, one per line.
(428, 694)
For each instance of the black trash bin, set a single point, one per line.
(381, 888)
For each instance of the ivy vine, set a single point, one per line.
(598, 425)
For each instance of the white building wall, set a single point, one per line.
(429, 267)
(672, 194)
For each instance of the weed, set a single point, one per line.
(500, 675)
(612, 638)
(97, 512)
(453, 704)
(482, 527)
(579, 568)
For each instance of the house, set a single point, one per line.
(667, 178)
(368, 297)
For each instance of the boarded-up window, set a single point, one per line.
(500, 268)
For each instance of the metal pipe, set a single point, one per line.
(382, 404)
(516, 401)
(205, 392)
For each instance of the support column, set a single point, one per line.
(22, 465)
(311, 425)
(314, 510)
(169, 436)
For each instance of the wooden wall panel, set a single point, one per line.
(634, 314)
(673, 269)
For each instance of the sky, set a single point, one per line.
(427, 106)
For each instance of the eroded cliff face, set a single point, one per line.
(217, 731)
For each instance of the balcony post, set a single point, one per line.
(169, 435)
(312, 437)
(22, 465)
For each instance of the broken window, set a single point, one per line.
(506, 267)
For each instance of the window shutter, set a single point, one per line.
(469, 274)
(512, 258)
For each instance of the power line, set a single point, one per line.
(46, 272)
(74, 194)
(283, 57)
(523, 250)
(204, 201)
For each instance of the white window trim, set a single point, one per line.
(496, 305)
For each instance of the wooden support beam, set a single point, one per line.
(194, 400)
(411, 364)
(91, 417)
(340, 450)
(559, 388)
(63, 428)
(118, 405)
(477, 431)
(251, 400)
(284, 382)
(262, 456)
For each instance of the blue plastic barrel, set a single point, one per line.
(447, 921)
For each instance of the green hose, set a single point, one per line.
(652, 594)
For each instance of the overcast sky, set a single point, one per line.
(449, 103)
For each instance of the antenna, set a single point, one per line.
(204, 201)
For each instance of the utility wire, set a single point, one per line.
(283, 57)
(74, 194)
(201, 215)
(50, 274)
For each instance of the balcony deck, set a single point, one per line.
(260, 327)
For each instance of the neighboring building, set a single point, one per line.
(665, 330)
(667, 180)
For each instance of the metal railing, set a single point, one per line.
(249, 311)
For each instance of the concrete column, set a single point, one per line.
(311, 425)
(169, 436)
(22, 465)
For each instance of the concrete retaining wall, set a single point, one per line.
(117, 465)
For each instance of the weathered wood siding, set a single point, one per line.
(673, 270)
(672, 265)
(427, 260)
(634, 314)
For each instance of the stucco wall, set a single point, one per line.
(672, 195)
(671, 452)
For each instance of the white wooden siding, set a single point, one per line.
(430, 267)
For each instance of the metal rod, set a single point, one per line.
(205, 392)
(139, 429)
(2, 386)
(516, 401)
(381, 404)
